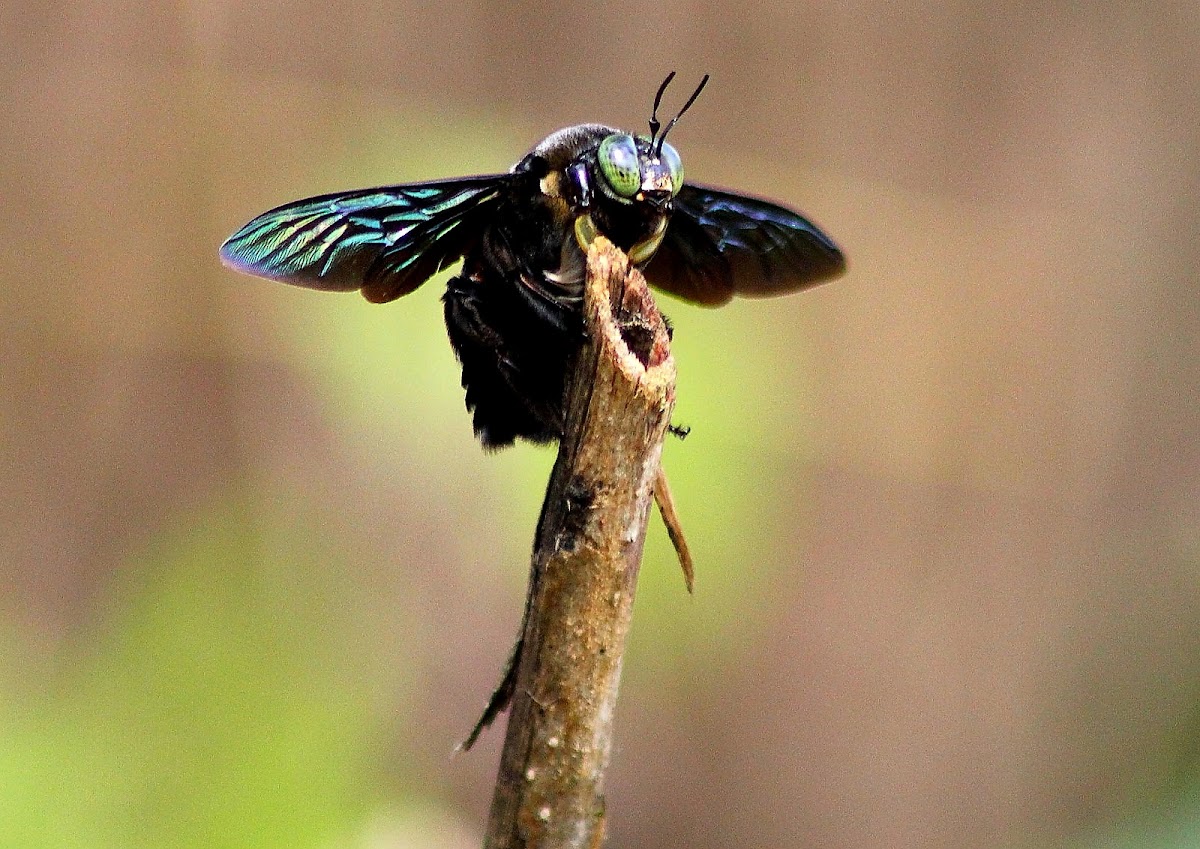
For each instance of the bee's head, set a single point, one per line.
(638, 170)
(626, 184)
(644, 169)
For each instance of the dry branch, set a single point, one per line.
(588, 549)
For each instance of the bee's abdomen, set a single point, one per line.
(513, 360)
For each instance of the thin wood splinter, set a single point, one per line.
(666, 508)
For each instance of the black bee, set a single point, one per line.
(514, 311)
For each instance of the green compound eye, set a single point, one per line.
(620, 165)
(670, 158)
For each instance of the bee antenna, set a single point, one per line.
(654, 125)
(659, 143)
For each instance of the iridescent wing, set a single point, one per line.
(385, 241)
(720, 244)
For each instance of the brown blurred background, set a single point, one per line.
(256, 578)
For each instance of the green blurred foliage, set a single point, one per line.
(220, 702)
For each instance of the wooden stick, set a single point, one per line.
(549, 791)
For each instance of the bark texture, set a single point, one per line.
(588, 550)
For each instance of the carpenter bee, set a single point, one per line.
(514, 311)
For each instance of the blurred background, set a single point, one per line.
(257, 578)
